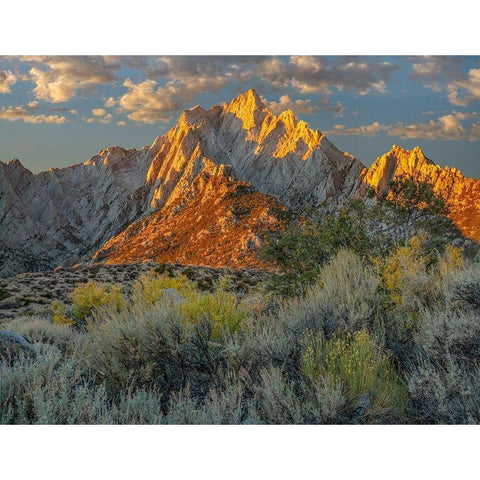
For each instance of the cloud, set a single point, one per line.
(105, 118)
(364, 130)
(21, 113)
(99, 112)
(147, 103)
(434, 71)
(186, 77)
(446, 127)
(465, 90)
(7, 79)
(58, 78)
(121, 123)
(309, 74)
(474, 134)
(300, 106)
(110, 102)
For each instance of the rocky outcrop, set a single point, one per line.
(461, 194)
(216, 221)
(61, 215)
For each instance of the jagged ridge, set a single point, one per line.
(461, 194)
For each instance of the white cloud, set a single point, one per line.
(7, 79)
(106, 118)
(465, 90)
(474, 134)
(147, 103)
(110, 102)
(21, 113)
(300, 106)
(309, 74)
(58, 78)
(446, 127)
(434, 71)
(99, 112)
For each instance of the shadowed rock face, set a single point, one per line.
(461, 194)
(128, 205)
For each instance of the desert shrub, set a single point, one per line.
(225, 406)
(450, 262)
(59, 313)
(49, 390)
(347, 292)
(150, 288)
(445, 394)
(154, 347)
(366, 376)
(91, 296)
(140, 407)
(222, 308)
(41, 330)
(465, 288)
(407, 277)
(275, 399)
(140, 348)
(449, 332)
(302, 249)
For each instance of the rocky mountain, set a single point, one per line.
(204, 193)
(461, 194)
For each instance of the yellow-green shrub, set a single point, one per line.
(86, 298)
(59, 313)
(150, 288)
(357, 366)
(221, 308)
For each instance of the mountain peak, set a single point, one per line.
(248, 107)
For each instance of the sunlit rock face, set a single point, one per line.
(461, 194)
(216, 221)
(277, 154)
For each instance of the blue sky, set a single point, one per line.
(57, 111)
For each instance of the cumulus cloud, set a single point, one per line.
(121, 123)
(99, 112)
(147, 103)
(300, 106)
(186, 77)
(434, 71)
(474, 134)
(7, 79)
(110, 102)
(21, 113)
(57, 79)
(309, 74)
(465, 90)
(104, 118)
(364, 130)
(446, 127)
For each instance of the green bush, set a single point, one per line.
(302, 249)
(367, 377)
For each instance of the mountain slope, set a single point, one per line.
(218, 221)
(461, 194)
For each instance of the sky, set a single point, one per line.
(57, 111)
